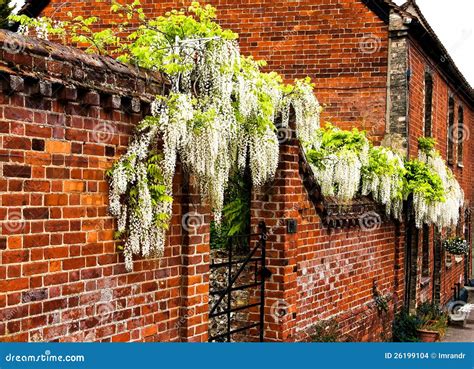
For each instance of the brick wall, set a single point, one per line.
(452, 271)
(342, 45)
(320, 273)
(64, 118)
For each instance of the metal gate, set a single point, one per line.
(235, 265)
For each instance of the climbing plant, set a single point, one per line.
(218, 116)
(346, 166)
(337, 157)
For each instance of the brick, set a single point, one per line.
(35, 268)
(36, 213)
(58, 147)
(75, 263)
(17, 171)
(73, 186)
(35, 240)
(13, 284)
(38, 144)
(21, 143)
(36, 186)
(56, 200)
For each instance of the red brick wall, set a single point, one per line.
(321, 273)
(454, 273)
(61, 277)
(342, 45)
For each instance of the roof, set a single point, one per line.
(433, 46)
(419, 29)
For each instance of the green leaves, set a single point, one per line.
(426, 145)
(421, 178)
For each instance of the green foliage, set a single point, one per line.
(235, 215)
(5, 11)
(421, 178)
(333, 140)
(426, 144)
(325, 331)
(405, 327)
(380, 163)
(432, 317)
(154, 181)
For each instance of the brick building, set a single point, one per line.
(377, 66)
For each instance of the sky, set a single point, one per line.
(453, 23)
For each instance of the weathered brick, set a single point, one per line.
(17, 171)
(36, 213)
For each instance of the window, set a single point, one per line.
(428, 104)
(425, 267)
(450, 152)
(460, 134)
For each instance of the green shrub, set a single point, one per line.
(405, 327)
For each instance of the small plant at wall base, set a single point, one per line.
(456, 246)
(325, 331)
(433, 322)
(405, 327)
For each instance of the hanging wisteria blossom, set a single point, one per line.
(218, 117)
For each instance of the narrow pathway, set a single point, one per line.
(459, 333)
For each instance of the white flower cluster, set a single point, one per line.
(386, 187)
(218, 118)
(307, 111)
(442, 213)
(456, 246)
(143, 236)
(340, 172)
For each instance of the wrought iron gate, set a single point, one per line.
(222, 298)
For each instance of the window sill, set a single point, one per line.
(425, 281)
(460, 165)
(458, 259)
(449, 265)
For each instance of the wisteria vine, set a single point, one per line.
(219, 117)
